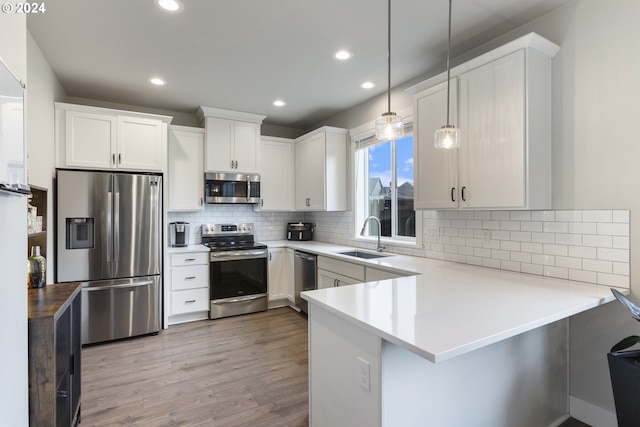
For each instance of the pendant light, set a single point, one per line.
(448, 136)
(389, 126)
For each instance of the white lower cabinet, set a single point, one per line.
(188, 286)
(289, 276)
(277, 275)
(332, 272)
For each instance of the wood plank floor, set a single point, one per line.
(241, 371)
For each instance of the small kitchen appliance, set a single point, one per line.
(299, 231)
(178, 234)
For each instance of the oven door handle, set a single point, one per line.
(239, 254)
(239, 299)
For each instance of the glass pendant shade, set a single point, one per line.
(389, 127)
(447, 137)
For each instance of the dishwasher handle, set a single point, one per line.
(305, 256)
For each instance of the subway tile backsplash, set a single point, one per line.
(584, 245)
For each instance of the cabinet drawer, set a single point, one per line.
(189, 301)
(348, 269)
(189, 277)
(189, 258)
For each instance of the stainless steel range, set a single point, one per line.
(237, 270)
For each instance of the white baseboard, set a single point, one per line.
(591, 414)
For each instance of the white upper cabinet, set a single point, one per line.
(501, 101)
(231, 140)
(186, 169)
(321, 170)
(276, 173)
(102, 138)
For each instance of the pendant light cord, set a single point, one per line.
(448, 68)
(389, 57)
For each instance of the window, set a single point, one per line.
(384, 187)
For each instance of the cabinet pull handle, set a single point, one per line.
(463, 199)
(189, 259)
(231, 164)
(119, 158)
(236, 164)
(113, 159)
(189, 277)
(201, 201)
(189, 301)
(62, 393)
(269, 256)
(453, 189)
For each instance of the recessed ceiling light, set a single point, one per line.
(170, 5)
(279, 103)
(157, 81)
(342, 55)
(367, 85)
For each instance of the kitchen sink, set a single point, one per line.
(360, 254)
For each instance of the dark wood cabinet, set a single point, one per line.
(54, 355)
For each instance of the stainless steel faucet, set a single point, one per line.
(364, 226)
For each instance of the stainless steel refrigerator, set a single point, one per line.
(108, 236)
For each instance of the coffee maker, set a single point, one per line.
(178, 234)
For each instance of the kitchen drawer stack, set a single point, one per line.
(189, 286)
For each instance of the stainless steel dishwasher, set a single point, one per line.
(304, 268)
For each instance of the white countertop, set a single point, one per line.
(449, 309)
(186, 249)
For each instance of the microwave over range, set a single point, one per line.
(231, 188)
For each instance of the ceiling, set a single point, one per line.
(244, 54)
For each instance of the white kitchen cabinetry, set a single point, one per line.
(332, 272)
(276, 173)
(232, 140)
(290, 276)
(102, 138)
(277, 276)
(501, 101)
(321, 170)
(188, 286)
(186, 169)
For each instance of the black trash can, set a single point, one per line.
(624, 367)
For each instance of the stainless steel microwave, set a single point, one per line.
(231, 188)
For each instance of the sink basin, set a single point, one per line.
(360, 254)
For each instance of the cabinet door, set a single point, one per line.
(310, 173)
(277, 273)
(186, 170)
(436, 182)
(90, 140)
(326, 279)
(289, 275)
(218, 146)
(141, 143)
(276, 175)
(492, 115)
(245, 147)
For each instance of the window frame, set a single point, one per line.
(364, 134)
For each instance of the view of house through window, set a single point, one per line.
(384, 187)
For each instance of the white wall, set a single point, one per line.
(43, 90)
(14, 409)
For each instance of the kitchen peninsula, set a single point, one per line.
(453, 345)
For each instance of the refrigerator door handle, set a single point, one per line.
(109, 226)
(124, 285)
(116, 228)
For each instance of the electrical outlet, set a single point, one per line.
(363, 374)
